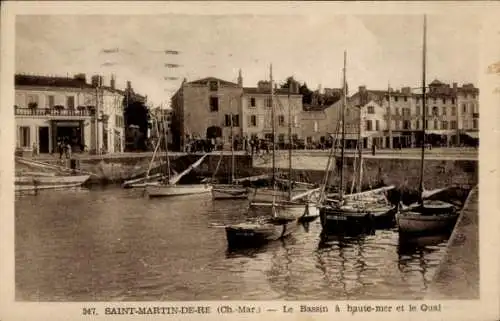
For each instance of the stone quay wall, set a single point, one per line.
(401, 172)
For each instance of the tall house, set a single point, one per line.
(256, 110)
(48, 109)
(204, 109)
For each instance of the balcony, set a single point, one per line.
(87, 111)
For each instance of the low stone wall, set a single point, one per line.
(403, 173)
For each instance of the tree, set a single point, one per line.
(136, 114)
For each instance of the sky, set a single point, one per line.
(381, 49)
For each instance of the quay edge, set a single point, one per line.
(401, 172)
(457, 276)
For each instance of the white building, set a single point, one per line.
(49, 109)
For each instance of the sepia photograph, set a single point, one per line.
(247, 156)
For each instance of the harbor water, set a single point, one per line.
(114, 244)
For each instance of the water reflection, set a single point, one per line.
(343, 257)
(415, 255)
(111, 244)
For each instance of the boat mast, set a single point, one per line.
(166, 145)
(232, 143)
(344, 102)
(360, 150)
(273, 179)
(424, 111)
(289, 143)
(389, 114)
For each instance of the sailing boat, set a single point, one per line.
(46, 176)
(231, 190)
(147, 179)
(426, 216)
(168, 185)
(285, 203)
(353, 213)
(282, 220)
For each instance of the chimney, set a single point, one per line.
(406, 90)
(129, 85)
(95, 81)
(362, 89)
(112, 82)
(240, 79)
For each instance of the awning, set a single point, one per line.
(474, 135)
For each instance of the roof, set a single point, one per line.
(204, 81)
(49, 81)
(265, 91)
(62, 82)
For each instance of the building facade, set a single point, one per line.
(52, 109)
(256, 109)
(211, 107)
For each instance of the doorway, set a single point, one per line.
(43, 140)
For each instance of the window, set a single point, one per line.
(396, 98)
(281, 138)
(426, 124)
(444, 124)
(377, 124)
(51, 101)
(464, 108)
(405, 98)
(315, 126)
(70, 102)
(418, 100)
(119, 121)
(268, 102)
(398, 124)
(444, 100)
(465, 95)
(371, 110)
(453, 111)
(397, 111)
(24, 136)
(453, 101)
(309, 139)
(435, 100)
(406, 112)
(436, 124)
(407, 124)
(252, 102)
(214, 104)
(453, 124)
(435, 111)
(236, 120)
(473, 96)
(417, 110)
(444, 111)
(369, 125)
(472, 108)
(295, 121)
(214, 86)
(417, 124)
(474, 123)
(281, 120)
(252, 121)
(32, 101)
(427, 110)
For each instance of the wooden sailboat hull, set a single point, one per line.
(416, 223)
(259, 233)
(164, 190)
(31, 183)
(342, 220)
(221, 192)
